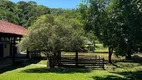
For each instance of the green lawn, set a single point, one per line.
(38, 71)
(100, 48)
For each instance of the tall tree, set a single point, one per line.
(28, 12)
(129, 19)
(114, 22)
(50, 33)
(7, 11)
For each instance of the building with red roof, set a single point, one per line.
(10, 28)
(10, 35)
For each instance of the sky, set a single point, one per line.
(65, 4)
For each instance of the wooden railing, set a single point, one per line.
(76, 60)
(83, 61)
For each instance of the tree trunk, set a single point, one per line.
(128, 56)
(94, 46)
(48, 63)
(54, 59)
(76, 58)
(110, 54)
(59, 58)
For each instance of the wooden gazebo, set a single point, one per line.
(10, 35)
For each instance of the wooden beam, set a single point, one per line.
(76, 58)
(28, 54)
(1, 49)
(59, 58)
(14, 50)
(9, 35)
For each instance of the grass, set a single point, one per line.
(37, 70)
(99, 47)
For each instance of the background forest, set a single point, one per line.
(26, 13)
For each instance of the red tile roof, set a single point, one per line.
(10, 28)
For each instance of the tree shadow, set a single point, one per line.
(56, 70)
(135, 58)
(137, 75)
(109, 77)
(129, 62)
(18, 64)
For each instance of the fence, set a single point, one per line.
(76, 60)
(36, 53)
(80, 60)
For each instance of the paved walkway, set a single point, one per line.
(5, 62)
(8, 61)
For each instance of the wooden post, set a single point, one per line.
(76, 59)
(14, 53)
(95, 56)
(11, 50)
(1, 49)
(59, 58)
(14, 50)
(103, 63)
(28, 54)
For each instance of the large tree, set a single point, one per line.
(116, 23)
(53, 33)
(96, 20)
(131, 27)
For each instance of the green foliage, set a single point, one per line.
(22, 13)
(9, 16)
(53, 33)
(65, 12)
(116, 23)
(127, 14)
(7, 11)
(28, 12)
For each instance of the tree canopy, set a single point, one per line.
(116, 23)
(49, 32)
(22, 13)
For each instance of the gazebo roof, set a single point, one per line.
(10, 28)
